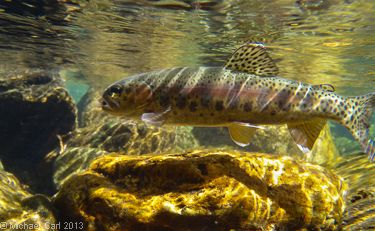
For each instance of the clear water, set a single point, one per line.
(95, 43)
(313, 41)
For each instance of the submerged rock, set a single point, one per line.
(357, 171)
(103, 134)
(127, 137)
(36, 109)
(272, 140)
(20, 210)
(360, 212)
(324, 148)
(203, 191)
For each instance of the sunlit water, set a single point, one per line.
(95, 43)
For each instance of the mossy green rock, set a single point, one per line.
(203, 190)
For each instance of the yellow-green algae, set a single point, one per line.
(357, 171)
(359, 214)
(203, 190)
(20, 210)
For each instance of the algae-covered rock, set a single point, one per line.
(357, 171)
(73, 161)
(36, 109)
(20, 210)
(127, 138)
(103, 134)
(11, 193)
(359, 214)
(203, 191)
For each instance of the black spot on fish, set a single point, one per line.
(164, 100)
(212, 114)
(180, 102)
(125, 98)
(206, 101)
(219, 106)
(286, 108)
(174, 113)
(201, 115)
(273, 113)
(193, 106)
(128, 90)
(281, 104)
(248, 106)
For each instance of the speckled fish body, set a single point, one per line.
(240, 97)
(213, 96)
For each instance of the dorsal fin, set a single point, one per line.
(306, 133)
(252, 59)
(326, 87)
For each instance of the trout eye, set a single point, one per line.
(115, 91)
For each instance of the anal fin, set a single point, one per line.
(306, 133)
(242, 133)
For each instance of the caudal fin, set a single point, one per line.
(358, 121)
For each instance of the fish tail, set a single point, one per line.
(358, 122)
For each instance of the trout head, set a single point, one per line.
(127, 100)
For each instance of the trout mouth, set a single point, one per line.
(108, 104)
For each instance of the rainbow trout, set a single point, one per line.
(242, 95)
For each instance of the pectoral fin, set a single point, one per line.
(156, 118)
(305, 134)
(242, 133)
